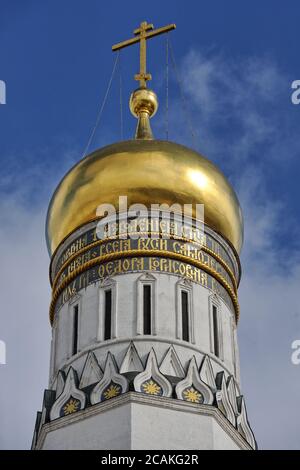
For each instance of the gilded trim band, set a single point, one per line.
(138, 254)
(156, 230)
(189, 251)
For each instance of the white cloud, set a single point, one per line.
(246, 128)
(24, 324)
(25, 293)
(270, 321)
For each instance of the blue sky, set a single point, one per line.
(237, 61)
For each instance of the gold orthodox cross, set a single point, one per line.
(144, 32)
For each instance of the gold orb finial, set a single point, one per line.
(143, 105)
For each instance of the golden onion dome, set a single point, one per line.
(147, 172)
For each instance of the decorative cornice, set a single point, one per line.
(136, 339)
(138, 398)
(198, 387)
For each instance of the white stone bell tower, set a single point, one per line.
(144, 313)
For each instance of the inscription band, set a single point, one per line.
(140, 254)
(89, 239)
(189, 251)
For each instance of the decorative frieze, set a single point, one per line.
(170, 379)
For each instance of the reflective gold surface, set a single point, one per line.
(147, 172)
(143, 100)
(143, 105)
